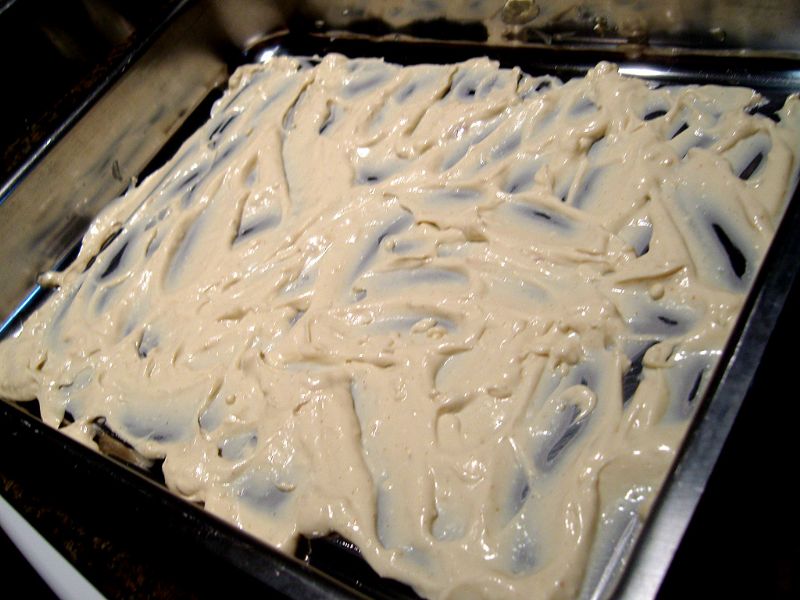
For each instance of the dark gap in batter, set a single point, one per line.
(66, 420)
(114, 262)
(681, 129)
(220, 129)
(297, 316)
(654, 115)
(147, 342)
(329, 120)
(524, 493)
(406, 92)
(103, 246)
(258, 226)
(186, 183)
(572, 430)
(735, 257)
(594, 143)
(695, 387)
(538, 214)
(633, 376)
(68, 258)
(751, 167)
(513, 188)
(769, 108)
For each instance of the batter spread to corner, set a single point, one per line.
(457, 314)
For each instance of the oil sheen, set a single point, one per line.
(457, 314)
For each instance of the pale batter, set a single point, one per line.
(457, 314)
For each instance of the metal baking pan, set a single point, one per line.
(142, 107)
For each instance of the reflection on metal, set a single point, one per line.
(46, 211)
(753, 24)
(519, 12)
(43, 213)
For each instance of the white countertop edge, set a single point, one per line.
(65, 581)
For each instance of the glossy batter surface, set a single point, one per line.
(457, 314)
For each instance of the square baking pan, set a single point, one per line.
(156, 92)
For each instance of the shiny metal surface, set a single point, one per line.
(45, 210)
(735, 24)
(91, 159)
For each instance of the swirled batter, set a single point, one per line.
(457, 314)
